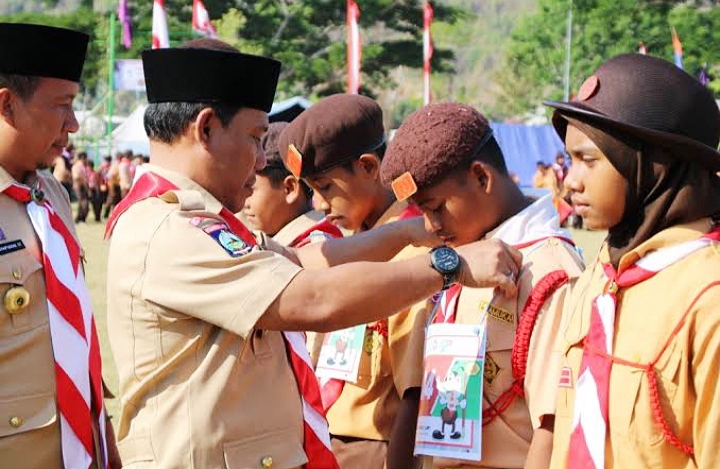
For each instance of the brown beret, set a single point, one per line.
(433, 141)
(269, 144)
(335, 130)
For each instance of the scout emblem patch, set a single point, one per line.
(294, 161)
(404, 186)
(491, 370)
(220, 232)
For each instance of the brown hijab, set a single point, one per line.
(663, 189)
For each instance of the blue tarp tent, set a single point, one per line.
(525, 145)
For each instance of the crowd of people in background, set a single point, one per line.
(551, 177)
(97, 188)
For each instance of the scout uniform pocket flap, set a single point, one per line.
(18, 268)
(26, 413)
(279, 450)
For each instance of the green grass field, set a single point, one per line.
(96, 251)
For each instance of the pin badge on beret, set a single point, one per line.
(589, 88)
(404, 186)
(294, 161)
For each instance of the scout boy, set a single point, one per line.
(447, 154)
(639, 384)
(207, 378)
(51, 396)
(336, 146)
(279, 204)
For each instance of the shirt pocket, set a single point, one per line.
(22, 271)
(280, 450)
(26, 413)
(631, 413)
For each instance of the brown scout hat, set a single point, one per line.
(652, 100)
(431, 142)
(335, 130)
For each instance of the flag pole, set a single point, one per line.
(568, 51)
(111, 81)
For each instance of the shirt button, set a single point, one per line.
(267, 462)
(15, 422)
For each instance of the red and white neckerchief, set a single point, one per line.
(321, 231)
(331, 388)
(78, 367)
(317, 445)
(590, 415)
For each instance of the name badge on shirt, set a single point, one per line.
(450, 415)
(11, 246)
(341, 353)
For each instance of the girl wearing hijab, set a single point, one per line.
(639, 384)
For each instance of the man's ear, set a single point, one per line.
(203, 126)
(292, 188)
(7, 105)
(369, 164)
(481, 172)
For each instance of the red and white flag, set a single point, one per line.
(354, 47)
(160, 38)
(201, 20)
(427, 51)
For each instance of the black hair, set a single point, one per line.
(166, 122)
(23, 86)
(379, 152)
(491, 154)
(277, 174)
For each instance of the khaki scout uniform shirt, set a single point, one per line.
(367, 409)
(29, 420)
(506, 440)
(200, 387)
(287, 235)
(687, 371)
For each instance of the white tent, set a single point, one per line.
(131, 133)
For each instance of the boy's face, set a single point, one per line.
(459, 209)
(346, 196)
(598, 189)
(266, 208)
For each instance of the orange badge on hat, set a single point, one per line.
(404, 186)
(294, 161)
(588, 88)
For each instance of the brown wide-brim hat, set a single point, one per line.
(650, 100)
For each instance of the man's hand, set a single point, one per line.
(416, 234)
(490, 263)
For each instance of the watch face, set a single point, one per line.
(445, 259)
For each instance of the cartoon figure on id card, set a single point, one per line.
(341, 345)
(452, 396)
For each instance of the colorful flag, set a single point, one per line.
(124, 18)
(201, 20)
(428, 15)
(642, 49)
(677, 48)
(160, 38)
(354, 47)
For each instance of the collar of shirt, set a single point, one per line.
(391, 214)
(538, 220)
(6, 179)
(668, 237)
(183, 182)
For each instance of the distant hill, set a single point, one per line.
(479, 44)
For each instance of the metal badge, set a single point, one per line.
(37, 196)
(17, 299)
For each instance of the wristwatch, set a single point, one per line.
(445, 260)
